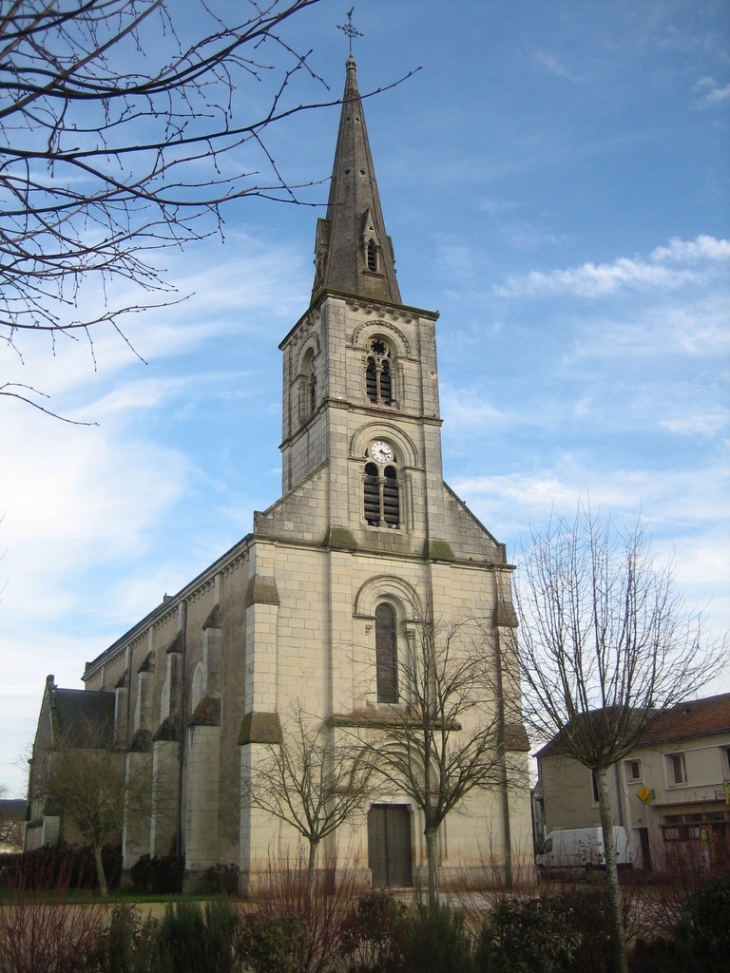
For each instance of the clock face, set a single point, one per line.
(381, 452)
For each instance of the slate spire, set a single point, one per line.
(353, 253)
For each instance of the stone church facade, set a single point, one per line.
(366, 542)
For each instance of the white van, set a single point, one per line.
(581, 848)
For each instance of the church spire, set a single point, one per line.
(353, 253)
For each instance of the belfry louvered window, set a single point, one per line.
(390, 497)
(372, 495)
(378, 373)
(381, 500)
(372, 256)
(386, 654)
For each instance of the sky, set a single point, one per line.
(555, 182)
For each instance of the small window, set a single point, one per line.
(594, 783)
(677, 768)
(727, 759)
(372, 257)
(633, 771)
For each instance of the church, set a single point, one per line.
(319, 605)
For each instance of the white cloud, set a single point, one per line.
(711, 92)
(702, 248)
(599, 280)
(551, 64)
(673, 498)
(465, 410)
(699, 424)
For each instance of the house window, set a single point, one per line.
(594, 784)
(727, 760)
(386, 654)
(378, 373)
(381, 500)
(633, 772)
(676, 768)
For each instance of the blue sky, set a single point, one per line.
(555, 181)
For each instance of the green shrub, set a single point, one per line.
(47, 867)
(437, 941)
(269, 943)
(125, 944)
(372, 935)
(220, 880)
(527, 936)
(162, 876)
(558, 932)
(700, 941)
(708, 912)
(191, 941)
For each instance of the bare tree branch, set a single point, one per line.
(444, 738)
(85, 778)
(606, 644)
(309, 783)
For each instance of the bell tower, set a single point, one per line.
(360, 390)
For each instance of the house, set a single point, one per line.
(672, 793)
(317, 605)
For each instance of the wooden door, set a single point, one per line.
(389, 845)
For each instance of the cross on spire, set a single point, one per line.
(349, 29)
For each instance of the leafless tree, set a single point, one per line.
(125, 126)
(83, 778)
(446, 737)
(309, 783)
(606, 644)
(11, 829)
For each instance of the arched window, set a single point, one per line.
(378, 375)
(307, 388)
(372, 495)
(381, 500)
(386, 654)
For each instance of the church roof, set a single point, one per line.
(353, 253)
(83, 718)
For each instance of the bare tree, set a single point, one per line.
(309, 783)
(11, 827)
(121, 132)
(84, 779)
(606, 644)
(447, 735)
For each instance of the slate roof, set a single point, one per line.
(13, 809)
(353, 209)
(83, 718)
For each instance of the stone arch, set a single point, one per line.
(389, 332)
(404, 445)
(388, 588)
(305, 378)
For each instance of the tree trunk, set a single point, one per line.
(618, 934)
(432, 855)
(101, 877)
(313, 845)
